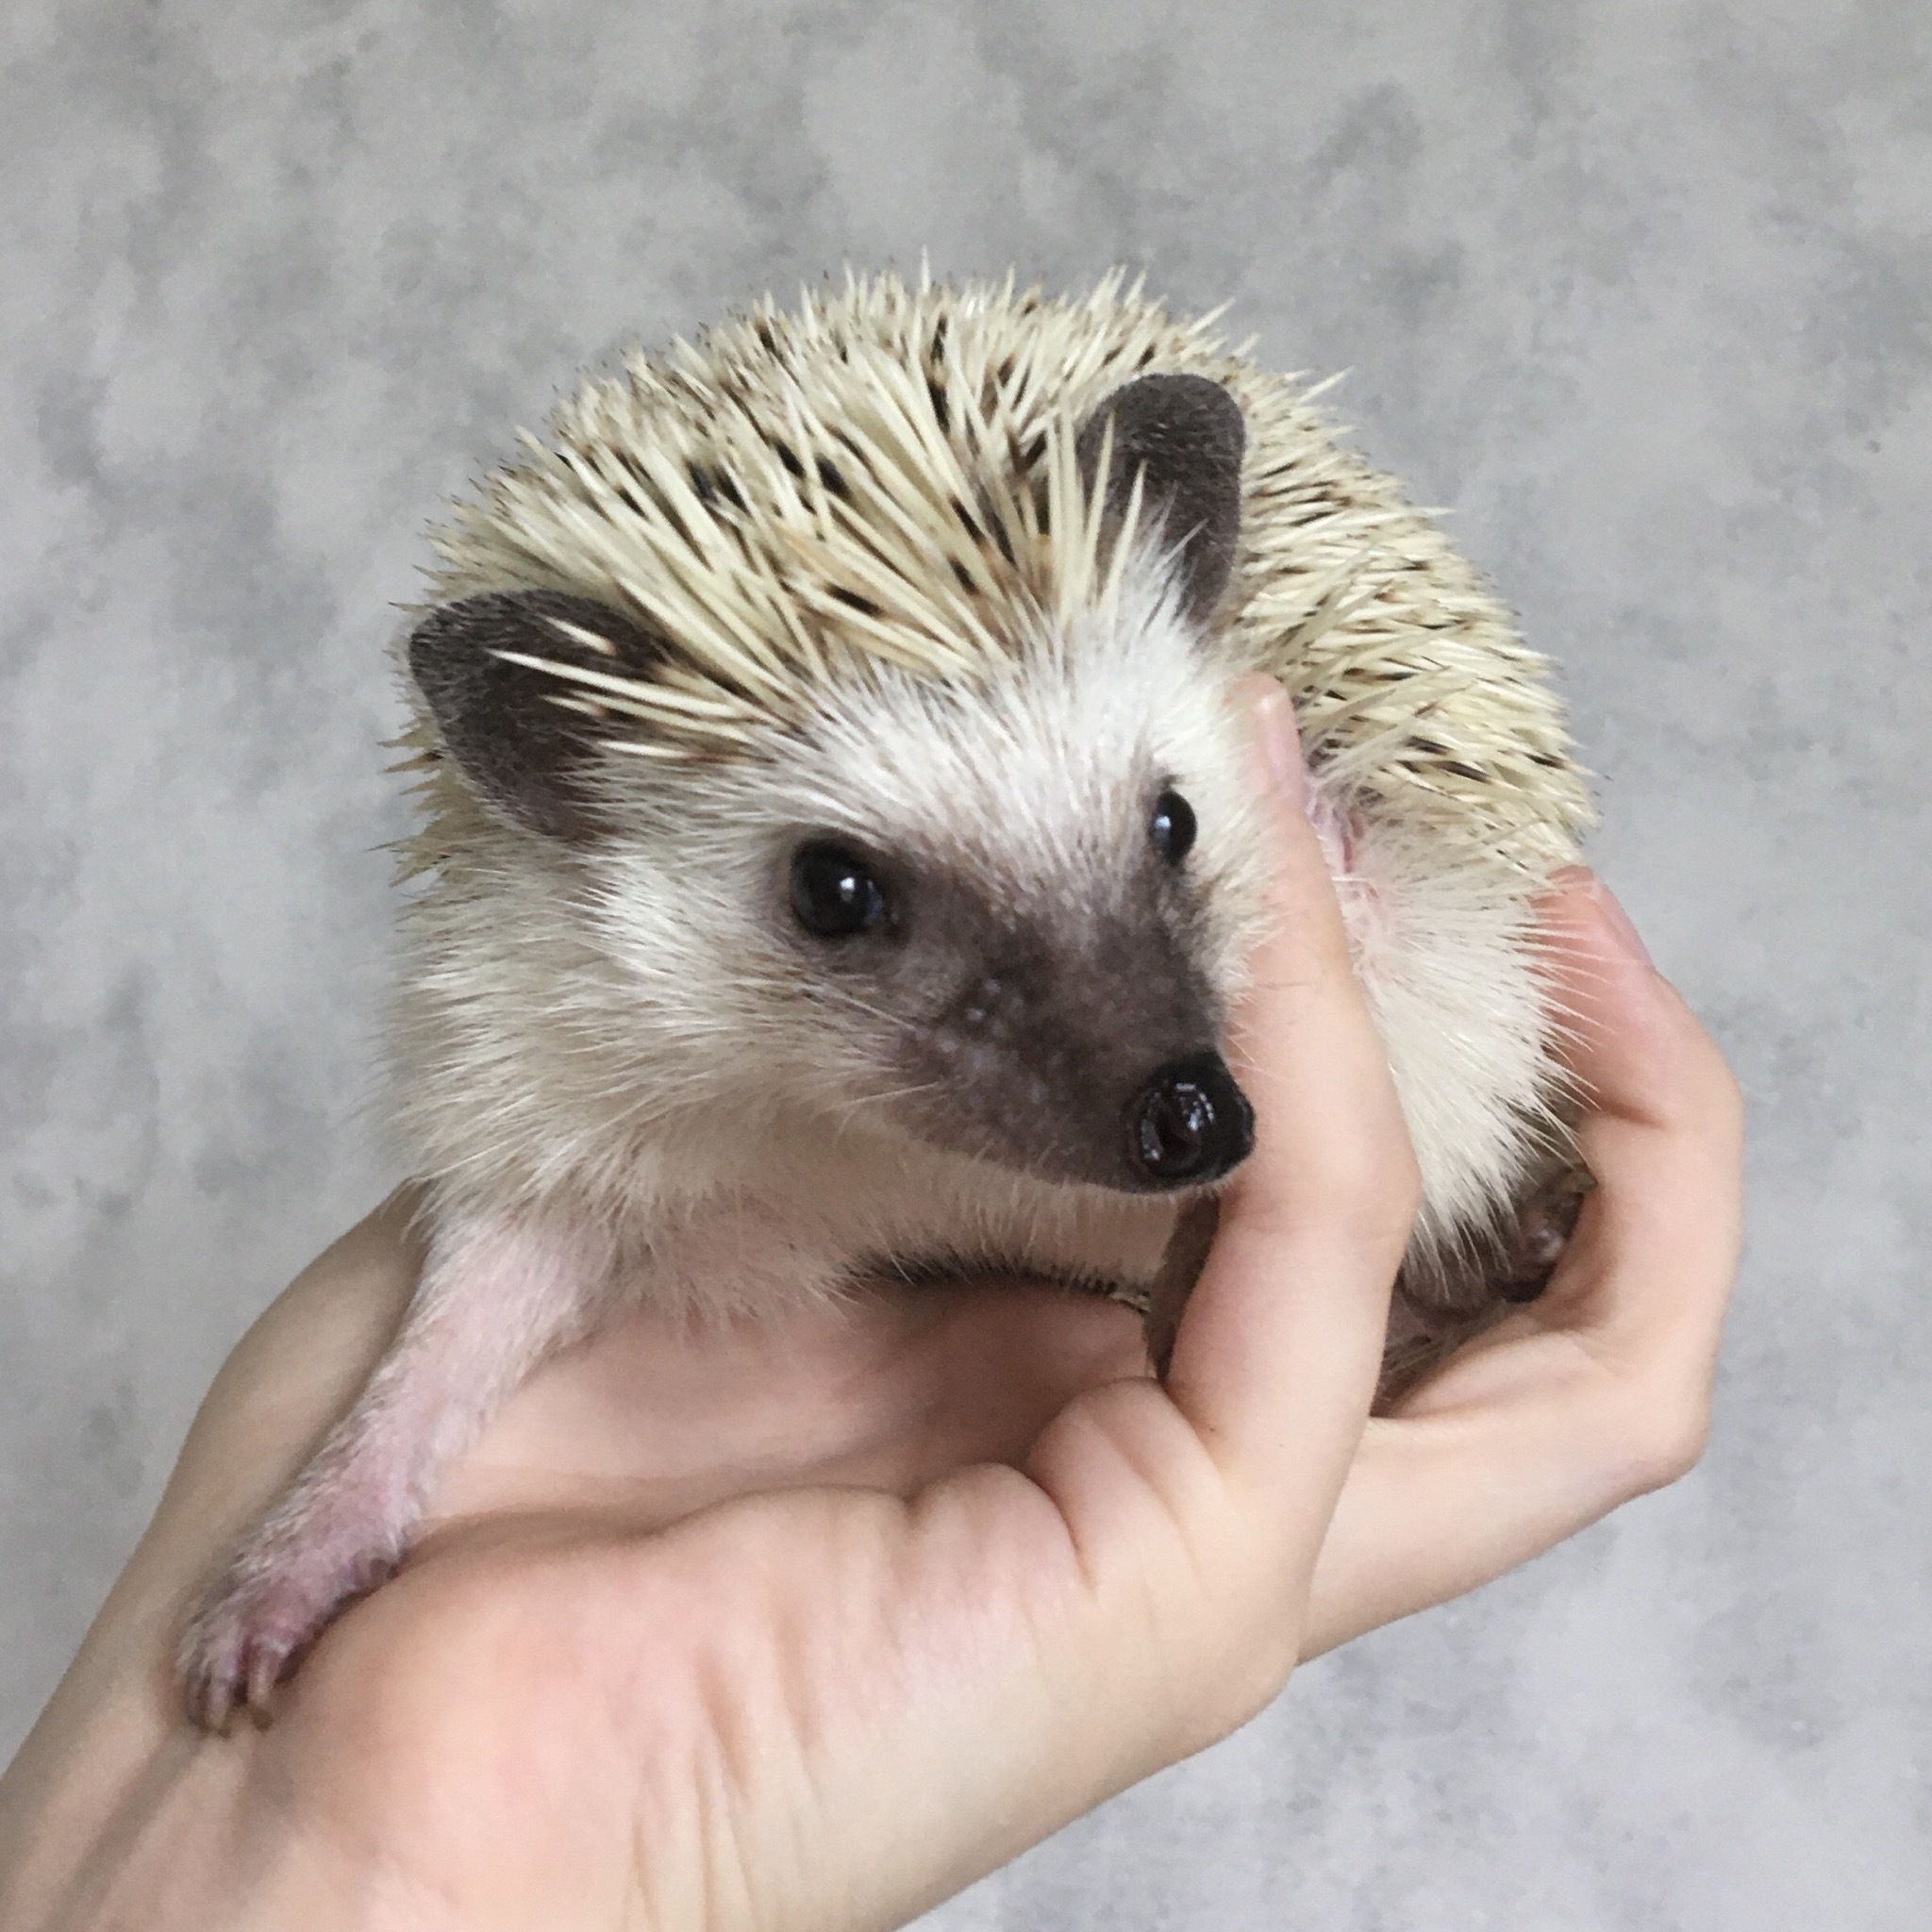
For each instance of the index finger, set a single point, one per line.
(1279, 1350)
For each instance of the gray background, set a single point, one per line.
(1641, 290)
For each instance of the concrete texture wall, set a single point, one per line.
(1641, 290)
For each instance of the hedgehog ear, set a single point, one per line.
(1185, 436)
(496, 674)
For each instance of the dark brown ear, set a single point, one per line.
(525, 737)
(1185, 436)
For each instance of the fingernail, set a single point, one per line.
(1619, 922)
(1281, 743)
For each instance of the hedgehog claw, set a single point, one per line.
(255, 1625)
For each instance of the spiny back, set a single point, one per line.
(890, 476)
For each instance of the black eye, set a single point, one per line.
(834, 892)
(1171, 827)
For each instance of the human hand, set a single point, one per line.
(1599, 1389)
(809, 1625)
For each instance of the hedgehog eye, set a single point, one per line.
(1171, 827)
(834, 892)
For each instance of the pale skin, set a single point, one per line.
(806, 1625)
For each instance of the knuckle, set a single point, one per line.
(1710, 1096)
(1729, 1099)
(1369, 1187)
(1376, 1177)
(1238, 1628)
(1250, 1680)
(1666, 1439)
(1388, 1200)
(1712, 1086)
(1406, 1190)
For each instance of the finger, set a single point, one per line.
(1655, 1252)
(1600, 1390)
(1278, 1351)
(1436, 1506)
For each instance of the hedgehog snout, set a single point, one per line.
(1112, 1076)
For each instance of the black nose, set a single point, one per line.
(1189, 1123)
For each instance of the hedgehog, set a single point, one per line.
(835, 862)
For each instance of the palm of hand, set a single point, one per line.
(668, 1597)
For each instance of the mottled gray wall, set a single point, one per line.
(1641, 290)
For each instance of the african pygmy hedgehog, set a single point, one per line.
(838, 859)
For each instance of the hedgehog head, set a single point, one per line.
(994, 902)
(801, 723)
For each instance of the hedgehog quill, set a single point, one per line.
(836, 860)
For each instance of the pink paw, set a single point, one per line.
(257, 1622)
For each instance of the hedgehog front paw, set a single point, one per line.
(258, 1620)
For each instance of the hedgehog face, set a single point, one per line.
(997, 909)
(1079, 1041)
(1009, 920)
(1069, 1027)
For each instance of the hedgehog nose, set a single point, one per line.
(1189, 1123)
